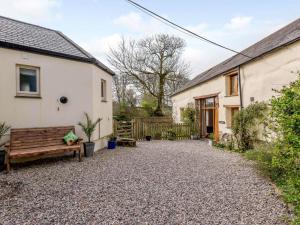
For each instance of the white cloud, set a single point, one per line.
(239, 22)
(200, 55)
(99, 47)
(199, 28)
(30, 10)
(132, 21)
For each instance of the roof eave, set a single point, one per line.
(55, 54)
(250, 60)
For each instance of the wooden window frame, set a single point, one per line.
(27, 94)
(229, 84)
(230, 113)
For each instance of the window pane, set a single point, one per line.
(28, 80)
(102, 89)
(209, 102)
(233, 85)
(233, 112)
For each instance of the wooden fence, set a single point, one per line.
(160, 129)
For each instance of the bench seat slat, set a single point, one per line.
(42, 151)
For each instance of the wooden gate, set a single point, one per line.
(156, 128)
(123, 129)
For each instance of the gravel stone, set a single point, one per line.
(158, 182)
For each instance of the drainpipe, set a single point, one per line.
(240, 88)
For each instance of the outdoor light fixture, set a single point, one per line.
(63, 100)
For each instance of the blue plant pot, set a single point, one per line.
(111, 144)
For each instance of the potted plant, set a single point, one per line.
(89, 128)
(3, 130)
(148, 137)
(112, 142)
(194, 135)
(210, 139)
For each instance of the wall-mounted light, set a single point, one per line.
(63, 100)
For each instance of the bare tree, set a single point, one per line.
(124, 93)
(153, 65)
(119, 87)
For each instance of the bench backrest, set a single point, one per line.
(26, 138)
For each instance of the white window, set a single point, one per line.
(103, 91)
(28, 81)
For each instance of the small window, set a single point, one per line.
(230, 112)
(28, 81)
(103, 91)
(234, 111)
(232, 85)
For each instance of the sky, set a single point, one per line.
(98, 25)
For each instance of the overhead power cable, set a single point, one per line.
(191, 33)
(181, 28)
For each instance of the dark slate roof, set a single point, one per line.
(28, 37)
(282, 37)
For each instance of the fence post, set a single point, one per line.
(132, 129)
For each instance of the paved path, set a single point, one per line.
(159, 182)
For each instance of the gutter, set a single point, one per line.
(240, 87)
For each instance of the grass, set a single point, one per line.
(288, 183)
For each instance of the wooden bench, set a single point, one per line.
(36, 142)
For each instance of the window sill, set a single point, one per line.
(104, 101)
(231, 95)
(28, 96)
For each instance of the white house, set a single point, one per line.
(244, 78)
(39, 66)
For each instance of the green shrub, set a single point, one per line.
(158, 136)
(286, 114)
(188, 114)
(211, 136)
(230, 144)
(219, 145)
(3, 129)
(281, 160)
(288, 183)
(263, 154)
(246, 124)
(171, 135)
(121, 117)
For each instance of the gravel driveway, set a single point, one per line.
(159, 182)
